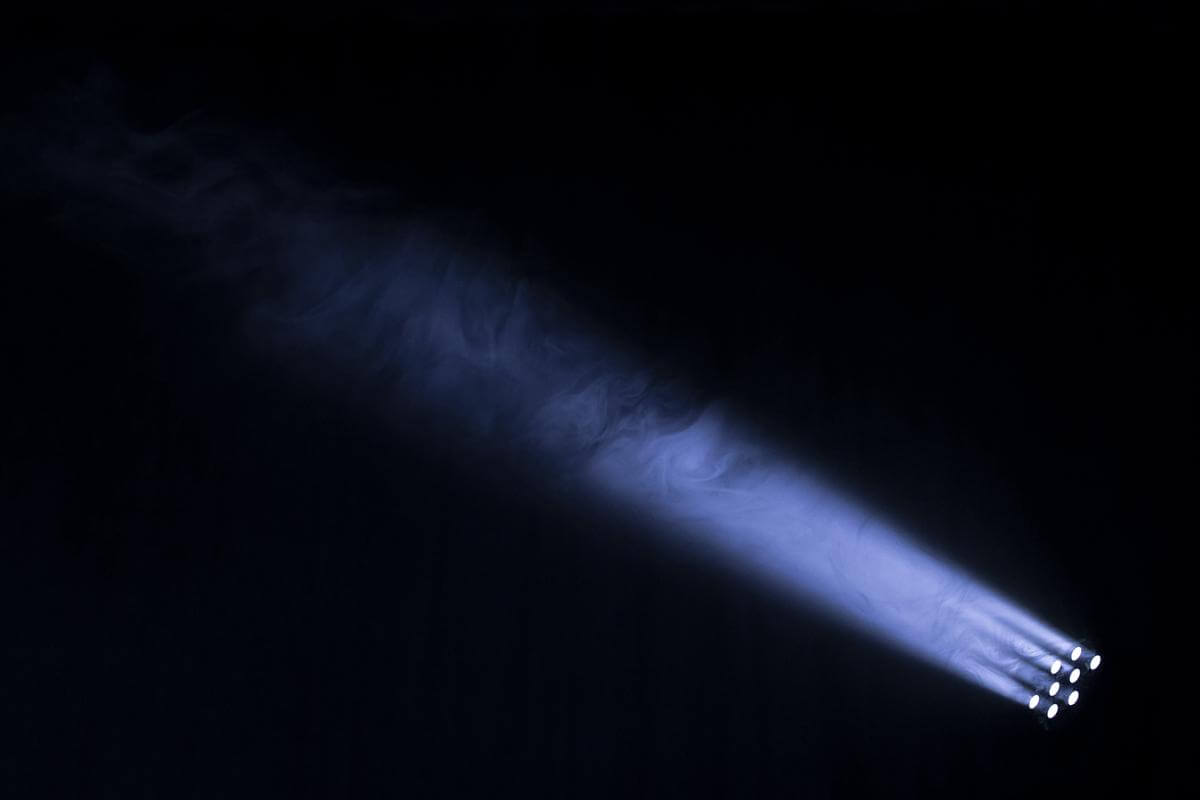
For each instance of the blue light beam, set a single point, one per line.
(491, 364)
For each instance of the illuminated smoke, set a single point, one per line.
(488, 363)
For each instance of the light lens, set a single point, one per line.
(1033, 701)
(1078, 651)
(1055, 667)
(1095, 662)
(1054, 689)
(1052, 710)
(1074, 675)
(1073, 698)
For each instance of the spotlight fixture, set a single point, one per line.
(1054, 687)
(1052, 711)
(1033, 701)
(1055, 667)
(1073, 697)
(1075, 675)
(1078, 651)
(1095, 662)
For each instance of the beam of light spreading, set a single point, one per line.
(1035, 636)
(490, 366)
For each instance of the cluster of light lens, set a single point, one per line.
(1069, 673)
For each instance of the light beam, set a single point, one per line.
(493, 368)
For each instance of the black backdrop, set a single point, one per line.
(930, 250)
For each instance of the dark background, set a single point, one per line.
(928, 249)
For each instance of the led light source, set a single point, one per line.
(1033, 701)
(1052, 710)
(1095, 662)
(1054, 689)
(1055, 667)
(1075, 675)
(1076, 653)
(1073, 697)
